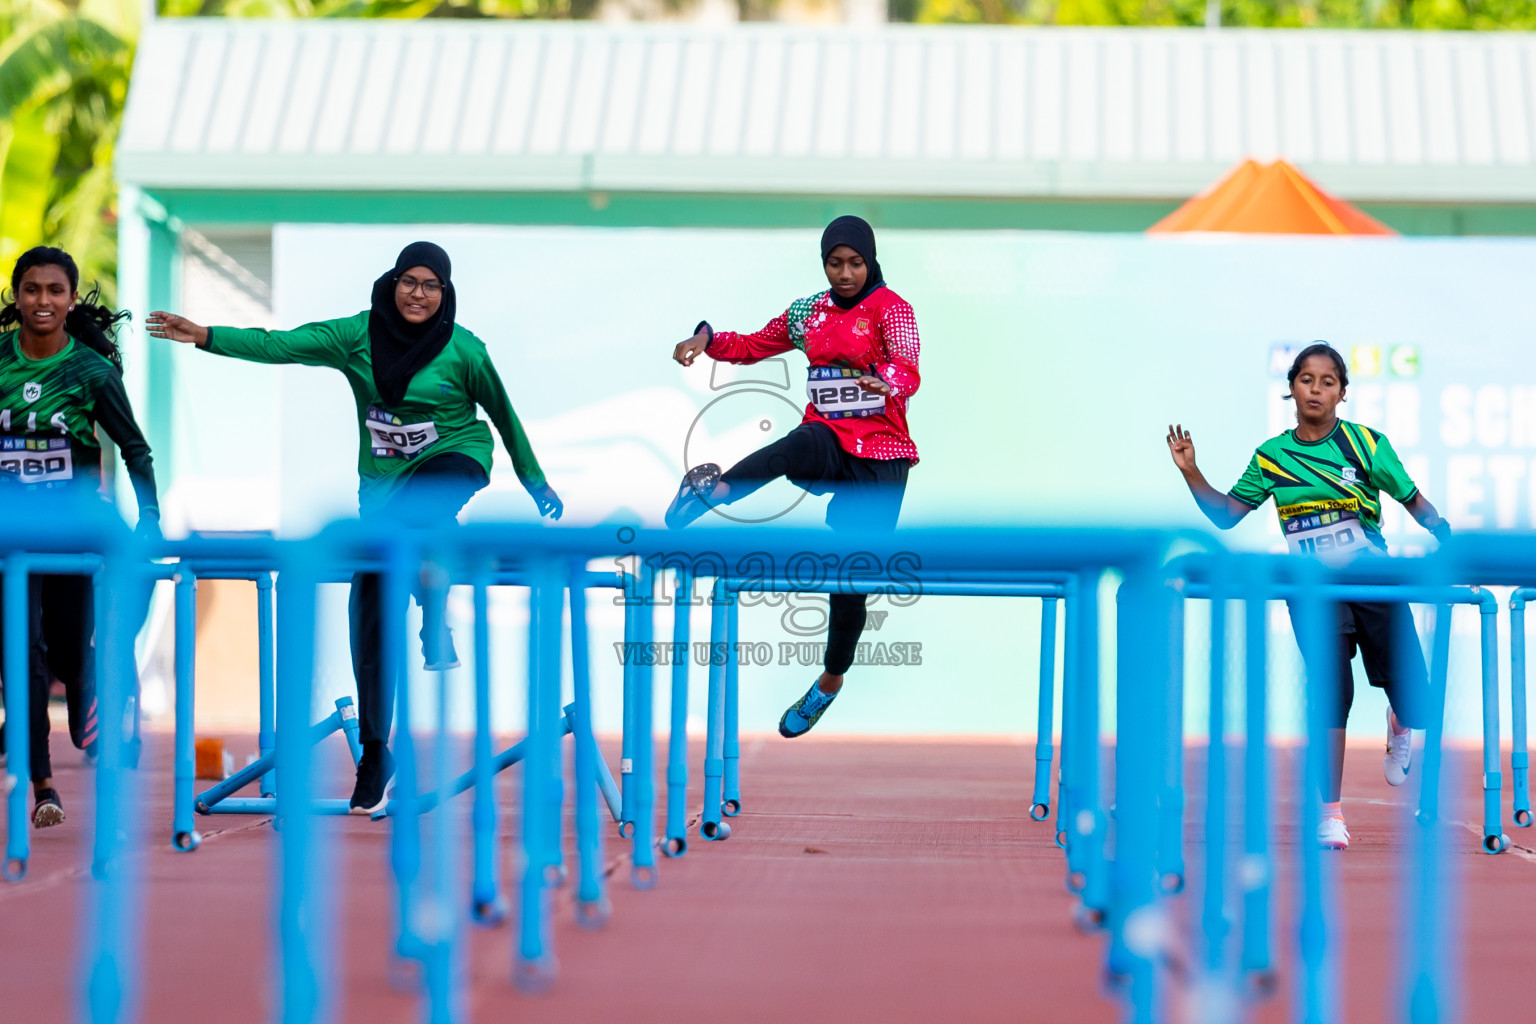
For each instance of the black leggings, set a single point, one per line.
(431, 496)
(59, 617)
(69, 617)
(1382, 634)
(866, 494)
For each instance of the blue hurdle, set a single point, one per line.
(1117, 881)
(722, 784)
(1520, 758)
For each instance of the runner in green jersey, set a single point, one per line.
(1327, 476)
(418, 380)
(61, 379)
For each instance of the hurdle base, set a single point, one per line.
(220, 799)
(426, 802)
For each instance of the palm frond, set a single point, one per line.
(26, 181)
(40, 64)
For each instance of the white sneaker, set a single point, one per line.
(1332, 835)
(1395, 763)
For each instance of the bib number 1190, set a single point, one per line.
(1323, 543)
(1330, 536)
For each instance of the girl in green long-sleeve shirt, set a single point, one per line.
(418, 380)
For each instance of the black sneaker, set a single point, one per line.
(373, 774)
(49, 809)
(692, 498)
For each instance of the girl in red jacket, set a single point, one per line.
(861, 340)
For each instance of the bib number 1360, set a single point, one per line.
(37, 461)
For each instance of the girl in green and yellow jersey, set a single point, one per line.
(61, 378)
(418, 381)
(1327, 477)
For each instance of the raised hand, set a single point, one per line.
(175, 328)
(687, 351)
(1182, 447)
(549, 502)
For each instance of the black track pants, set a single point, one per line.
(866, 495)
(433, 495)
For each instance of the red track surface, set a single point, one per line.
(865, 880)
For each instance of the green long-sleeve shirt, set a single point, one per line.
(437, 416)
(49, 411)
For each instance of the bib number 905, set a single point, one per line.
(392, 438)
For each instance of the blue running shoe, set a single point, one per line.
(805, 712)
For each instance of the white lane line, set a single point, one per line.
(1523, 852)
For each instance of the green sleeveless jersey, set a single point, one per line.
(49, 411)
(438, 414)
(1327, 491)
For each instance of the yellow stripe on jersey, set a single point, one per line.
(1370, 439)
(1270, 467)
(1350, 435)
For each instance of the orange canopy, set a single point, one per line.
(1271, 199)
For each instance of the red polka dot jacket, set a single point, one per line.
(877, 336)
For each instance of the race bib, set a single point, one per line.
(836, 395)
(1335, 536)
(37, 460)
(393, 438)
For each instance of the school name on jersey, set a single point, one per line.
(29, 423)
(1302, 508)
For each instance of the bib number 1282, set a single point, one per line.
(835, 393)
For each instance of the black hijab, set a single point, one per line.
(398, 347)
(856, 234)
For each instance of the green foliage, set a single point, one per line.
(64, 70)
(1400, 14)
(562, 9)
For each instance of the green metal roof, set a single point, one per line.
(768, 109)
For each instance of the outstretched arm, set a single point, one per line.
(324, 343)
(730, 347)
(1425, 515)
(1223, 510)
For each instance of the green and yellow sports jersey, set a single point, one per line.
(1328, 492)
(49, 411)
(438, 415)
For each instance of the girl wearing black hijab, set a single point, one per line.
(418, 380)
(860, 338)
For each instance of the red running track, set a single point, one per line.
(889, 880)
